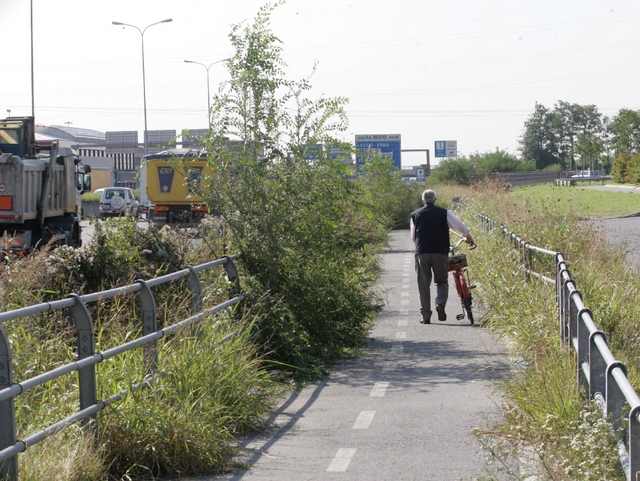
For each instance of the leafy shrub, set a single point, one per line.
(454, 171)
(392, 200)
(626, 168)
(120, 252)
(91, 197)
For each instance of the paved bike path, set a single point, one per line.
(403, 411)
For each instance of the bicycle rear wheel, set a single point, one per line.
(467, 307)
(465, 297)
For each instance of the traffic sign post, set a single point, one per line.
(386, 146)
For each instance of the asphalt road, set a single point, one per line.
(623, 232)
(405, 410)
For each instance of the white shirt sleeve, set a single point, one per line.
(456, 224)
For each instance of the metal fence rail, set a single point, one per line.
(87, 358)
(604, 377)
(519, 179)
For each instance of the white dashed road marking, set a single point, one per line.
(389, 366)
(396, 348)
(341, 460)
(379, 389)
(403, 323)
(364, 420)
(401, 335)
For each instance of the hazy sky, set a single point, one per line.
(465, 70)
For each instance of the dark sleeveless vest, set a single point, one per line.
(432, 230)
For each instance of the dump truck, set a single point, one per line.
(40, 189)
(170, 196)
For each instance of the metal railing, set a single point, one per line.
(519, 179)
(604, 377)
(87, 358)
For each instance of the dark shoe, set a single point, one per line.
(425, 321)
(442, 316)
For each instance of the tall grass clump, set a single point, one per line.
(546, 415)
(213, 390)
(210, 391)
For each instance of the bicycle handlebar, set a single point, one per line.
(454, 247)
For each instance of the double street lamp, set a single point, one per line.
(208, 93)
(144, 88)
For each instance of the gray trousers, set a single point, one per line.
(425, 264)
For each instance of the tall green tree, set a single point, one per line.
(570, 135)
(538, 142)
(304, 230)
(624, 132)
(589, 145)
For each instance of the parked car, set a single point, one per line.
(117, 201)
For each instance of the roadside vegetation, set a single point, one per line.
(310, 233)
(546, 418)
(310, 241)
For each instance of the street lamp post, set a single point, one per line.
(208, 93)
(144, 87)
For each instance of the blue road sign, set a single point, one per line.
(385, 145)
(446, 148)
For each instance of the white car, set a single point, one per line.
(117, 201)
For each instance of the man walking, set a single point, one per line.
(430, 232)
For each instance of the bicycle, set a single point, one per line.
(458, 265)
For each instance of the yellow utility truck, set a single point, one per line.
(170, 195)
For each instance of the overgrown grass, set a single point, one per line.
(544, 411)
(210, 393)
(213, 390)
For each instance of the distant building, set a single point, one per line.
(114, 157)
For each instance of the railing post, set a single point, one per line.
(149, 325)
(634, 443)
(232, 276)
(615, 402)
(8, 468)
(86, 348)
(572, 326)
(559, 284)
(195, 286)
(526, 256)
(570, 319)
(615, 398)
(582, 336)
(597, 367)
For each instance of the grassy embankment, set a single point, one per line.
(543, 409)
